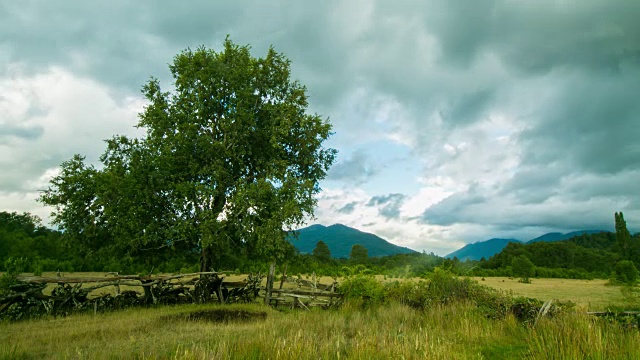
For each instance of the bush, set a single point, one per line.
(364, 289)
(413, 294)
(626, 272)
(13, 267)
(37, 270)
(444, 288)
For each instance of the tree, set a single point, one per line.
(626, 272)
(623, 237)
(322, 252)
(523, 268)
(359, 253)
(229, 163)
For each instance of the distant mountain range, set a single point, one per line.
(488, 248)
(554, 236)
(483, 249)
(340, 238)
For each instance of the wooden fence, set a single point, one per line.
(300, 292)
(33, 295)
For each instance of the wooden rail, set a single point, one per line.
(72, 280)
(314, 293)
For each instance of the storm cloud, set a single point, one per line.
(510, 118)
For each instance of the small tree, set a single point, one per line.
(523, 268)
(626, 272)
(322, 252)
(623, 237)
(359, 253)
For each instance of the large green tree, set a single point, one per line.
(230, 161)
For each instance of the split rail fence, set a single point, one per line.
(299, 292)
(34, 295)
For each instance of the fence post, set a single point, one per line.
(267, 296)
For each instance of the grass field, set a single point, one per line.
(392, 331)
(588, 294)
(458, 331)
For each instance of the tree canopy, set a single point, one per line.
(623, 237)
(359, 253)
(229, 163)
(322, 252)
(523, 267)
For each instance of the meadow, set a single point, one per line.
(392, 330)
(594, 295)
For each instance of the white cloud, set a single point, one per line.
(73, 115)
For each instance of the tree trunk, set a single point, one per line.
(204, 259)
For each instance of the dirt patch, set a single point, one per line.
(219, 316)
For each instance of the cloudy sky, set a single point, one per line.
(455, 121)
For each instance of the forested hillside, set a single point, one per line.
(586, 255)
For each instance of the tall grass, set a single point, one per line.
(454, 331)
(580, 336)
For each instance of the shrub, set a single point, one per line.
(13, 267)
(626, 272)
(444, 288)
(364, 289)
(37, 270)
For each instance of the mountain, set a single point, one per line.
(491, 247)
(551, 237)
(481, 249)
(340, 238)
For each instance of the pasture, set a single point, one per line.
(591, 295)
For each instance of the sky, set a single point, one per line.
(455, 121)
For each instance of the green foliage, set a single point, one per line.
(623, 237)
(322, 252)
(585, 256)
(631, 296)
(44, 249)
(13, 267)
(23, 236)
(626, 272)
(415, 294)
(359, 253)
(523, 268)
(443, 288)
(229, 160)
(362, 289)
